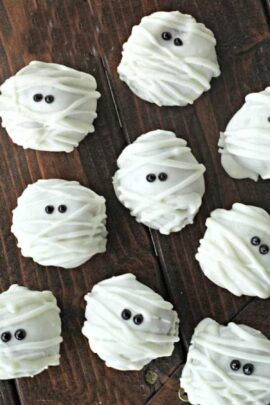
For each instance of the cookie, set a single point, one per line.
(169, 59)
(160, 181)
(60, 223)
(128, 324)
(48, 107)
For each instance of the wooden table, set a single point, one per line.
(88, 35)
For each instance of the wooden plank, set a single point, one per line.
(168, 394)
(243, 48)
(62, 32)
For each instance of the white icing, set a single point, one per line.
(164, 205)
(227, 256)
(37, 314)
(207, 376)
(66, 239)
(122, 344)
(56, 126)
(160, 72)
(245, 143)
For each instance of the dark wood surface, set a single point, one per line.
(88, 35)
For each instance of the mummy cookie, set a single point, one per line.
(169, 59)
(227, 365)
(48, 107)
(245, 144)
(128, 324)
(234, 252)
(60, 223)
(160, 181)
(30, 332)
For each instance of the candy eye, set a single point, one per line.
(151, 177)
(49, 99)
(162, 176)
(268, 119)
(37, 97)
(138, 319)
(178, 42)
(235, 365)
(20, 334)
(126, 314)
(62, 208)
(166, 36)
(248, 369)
(49, 209)
(255, 241)
(263, 249)
(6, 337)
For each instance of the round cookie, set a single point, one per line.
(169, 59)
(128, 324)
(245, 143)
(48, 107)
(60, 223)
(234, 252)
(30, 332)
(160, 181)
(227, 365)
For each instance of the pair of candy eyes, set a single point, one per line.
(151, 177)
(256, 241)
(50, 208)
(167, 36)
(20, 334)
(137, 319)
(248, 368)
(39, 97)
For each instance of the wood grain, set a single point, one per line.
(88, 35)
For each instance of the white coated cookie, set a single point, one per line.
(234, 252)
(245, 143)
(30, 332)
(60, 223)
(160, 181)
(169, 59)
(48, 107)
(128, 324)
(227, 365)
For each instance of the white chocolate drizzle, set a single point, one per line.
(207, 376)
(21, 308)
(66, 239)
(122, 344)
(173, 205)
(58, 126)
(165, 74)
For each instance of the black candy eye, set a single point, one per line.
(162, 176)
(20, 334)
(235, 365)
(62, 208)
(37, 97)
(6, 337)
(178, 42)
(49, 209)
(248, 369)
(151, 177)
(138, 319)
(255, 241)
(263, 249)
(166, 36)
(268, 119)
(49, 99)
(126, 314)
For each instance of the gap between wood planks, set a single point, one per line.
(266, 10)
